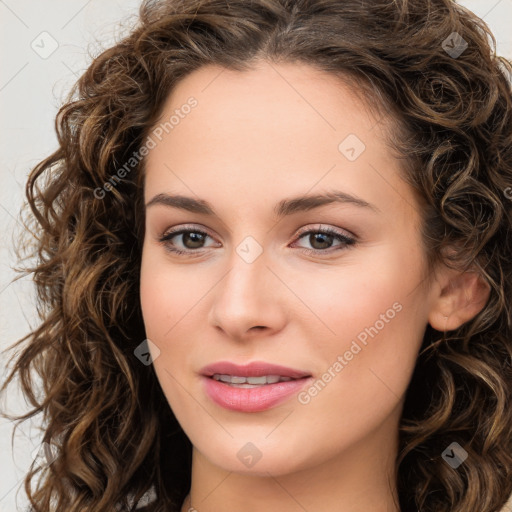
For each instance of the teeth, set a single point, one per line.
(250, 381)
(256, 380)
(234, 379)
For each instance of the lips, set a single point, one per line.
(251, 388)
(249, 382)
(254, 369)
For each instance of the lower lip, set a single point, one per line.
(252, 399)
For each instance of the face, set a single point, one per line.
(330, 288)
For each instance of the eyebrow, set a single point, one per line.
(284, 208)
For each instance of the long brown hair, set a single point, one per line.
(433, 65)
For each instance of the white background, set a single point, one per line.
(31, 90)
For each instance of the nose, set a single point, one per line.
(249, 299)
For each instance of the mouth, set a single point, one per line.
(250, 382)
(253, 369)
(251, 388)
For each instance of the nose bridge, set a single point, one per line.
(246, 297)
(248, 263)
(245, 283)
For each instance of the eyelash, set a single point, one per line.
(346, 240)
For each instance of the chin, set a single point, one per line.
(258, 457)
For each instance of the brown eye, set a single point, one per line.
(191, 240)
(321, 240)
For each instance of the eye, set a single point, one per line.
(192, 240)
(323, 238)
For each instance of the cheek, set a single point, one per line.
(379, 353)
(174, 309)
(167, 293)
(167, 302)
(376, 317)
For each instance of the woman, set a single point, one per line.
(298, 214)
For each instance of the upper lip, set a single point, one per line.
(253, 369)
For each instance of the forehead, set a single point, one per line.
(274, 130)
(286, 102)
(286, 98)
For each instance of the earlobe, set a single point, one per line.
(461, 296)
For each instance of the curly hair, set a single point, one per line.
(452, 118)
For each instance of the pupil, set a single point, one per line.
(196, 238)
(321, 236)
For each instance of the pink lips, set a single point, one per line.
(254, 369)
(254, 399)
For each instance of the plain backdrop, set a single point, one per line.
(45, 47)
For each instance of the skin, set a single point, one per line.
(254, 139)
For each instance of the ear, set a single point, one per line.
(459, 297)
